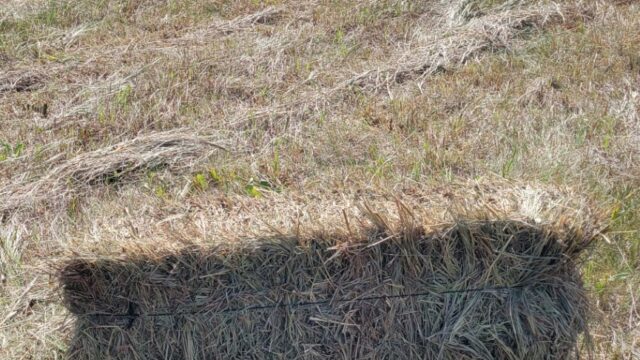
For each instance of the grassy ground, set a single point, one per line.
(115, 115)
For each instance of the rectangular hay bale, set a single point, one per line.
(471, 290)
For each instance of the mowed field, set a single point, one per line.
(124, 121)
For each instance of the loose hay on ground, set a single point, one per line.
(174, 149)
(20, 81)
(452, 46)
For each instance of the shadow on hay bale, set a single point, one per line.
(474, 290)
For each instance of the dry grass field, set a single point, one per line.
(123, 120)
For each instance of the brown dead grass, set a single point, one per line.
(555, 101)
(452, 47)
(176, 149)
(25, 81)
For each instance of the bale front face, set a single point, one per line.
(480, 290)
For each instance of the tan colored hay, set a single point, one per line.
(240, 23)
(249, 298)
(178, 149)
(447, 47)
(19, 81)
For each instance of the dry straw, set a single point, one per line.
(378, 288)
(11, 81)
(177, 149)
(455, 45)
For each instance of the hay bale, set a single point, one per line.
(481, 289)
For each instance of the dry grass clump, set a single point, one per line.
(172, 149)
(453, 46)
(473, 290)
(20, 81)
(244, 22)
(88, 99)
